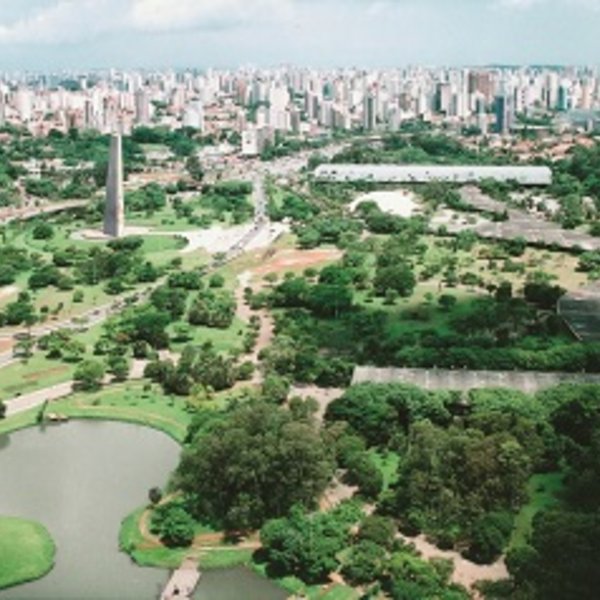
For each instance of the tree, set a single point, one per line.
(2, 410)
(447, 302)
(213, 309)
(330, 300)
(305, 545)
(173, 524)
(363, 472)
(275, 389)
(566, 546)
(43, 231)
(89, 374)
(155, 495)
(364, 563)
(118, 367)
(489, 536)
(398, 277)
(254, 466)
(194, 168)
(377, 529)
(216, 280)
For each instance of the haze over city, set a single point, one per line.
(50, 34)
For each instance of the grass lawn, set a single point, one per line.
(118, 402)
(129, 402)
(224, 558)
(18, 421)
(38, 372)
(132, 542)
(148, 554)
(26, 551)
(298, 588)
(223, 340)
(544, 492)
(388, 465)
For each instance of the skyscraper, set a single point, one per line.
(114, 212)
(503, 114)
(369, 112)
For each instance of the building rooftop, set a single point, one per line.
(525, 175)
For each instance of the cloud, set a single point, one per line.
(64, 21)
(168, 15)
(593, 5)
(519, 4)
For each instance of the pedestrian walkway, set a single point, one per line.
(183, 581)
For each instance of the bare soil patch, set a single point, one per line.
(296, 260)
(45, 373)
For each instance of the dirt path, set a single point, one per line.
(465, 573)
(323, 396)
(267, 325)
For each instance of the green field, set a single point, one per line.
(131, 403)
(38, 372)
(26, 551)
(388, 465)
(544, 492)
(131, 540)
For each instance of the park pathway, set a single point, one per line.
(24, 402)
(183, 581)
(466, 572)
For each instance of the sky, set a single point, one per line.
(85, 34)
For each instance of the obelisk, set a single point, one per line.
(114, 211)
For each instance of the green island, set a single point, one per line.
(26, 551)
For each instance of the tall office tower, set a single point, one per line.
(564, 97)
(481, 81)
(369, 112)
(142, 107)
(443, 98)
(2, 108)
(552, 90)
(503, 117)
(88, 114)
(193, 115)
(482, 121)
(114, 210)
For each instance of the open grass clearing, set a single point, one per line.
(37, 372)
(388, 465)
(130, 402)
(26, 551)
(544, 491)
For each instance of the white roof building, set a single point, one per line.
(525, 175)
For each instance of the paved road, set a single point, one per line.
(24, 402)
(37, 398)
(29, 212)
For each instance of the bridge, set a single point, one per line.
(183, 581)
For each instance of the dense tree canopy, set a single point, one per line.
(254, 466)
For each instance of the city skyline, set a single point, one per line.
(85, 34)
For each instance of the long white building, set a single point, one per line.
(426, 173)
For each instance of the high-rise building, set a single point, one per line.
(142, 107)
(114, 210)
(369, 112)
(503, 114)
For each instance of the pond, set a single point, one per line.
(80, 480)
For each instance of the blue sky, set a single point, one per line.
(54, 34)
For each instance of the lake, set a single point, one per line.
(80, 480)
